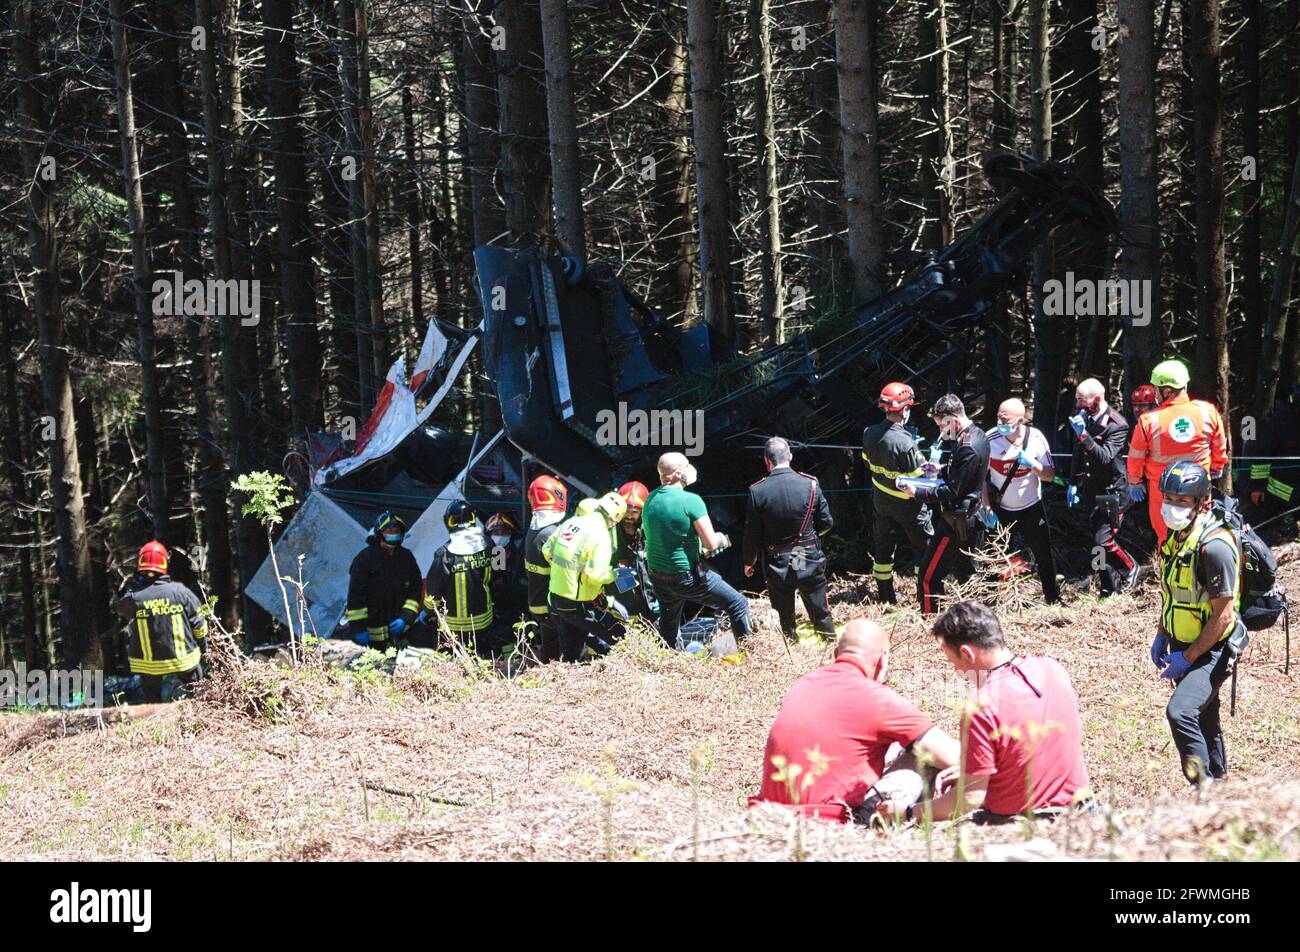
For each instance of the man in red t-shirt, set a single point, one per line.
(826, 750)
(1023, 740)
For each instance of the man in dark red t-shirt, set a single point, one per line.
(827, 747)
(1023, 745)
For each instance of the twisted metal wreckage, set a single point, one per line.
(564, 343)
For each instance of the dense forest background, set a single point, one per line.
(757, 164)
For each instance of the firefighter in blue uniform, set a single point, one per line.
(383, 586)
(167, 624)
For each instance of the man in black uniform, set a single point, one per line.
(1272, 484)
(890, 450)
(460, 576)
(786, 516)
(167, 624)
(960, 497)
(383, 586)
(548, 499)
(1098, 479)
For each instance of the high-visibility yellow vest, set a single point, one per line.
(580, 553)
(1184, 603)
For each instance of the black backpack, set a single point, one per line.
(1262, 599)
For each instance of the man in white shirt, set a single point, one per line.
(1020, 461)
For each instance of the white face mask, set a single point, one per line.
(689, 475)
(907, 415)
(501, 540)
(1176, 517)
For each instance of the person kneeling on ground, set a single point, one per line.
(579, 553)
(826, 751)
(168, 627)
(1023, 750)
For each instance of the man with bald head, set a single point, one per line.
(1020, 461)
(1099, 481)
(678, 531)
(826, 751)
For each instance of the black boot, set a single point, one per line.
(885, 588)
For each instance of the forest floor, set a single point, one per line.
(646, 754)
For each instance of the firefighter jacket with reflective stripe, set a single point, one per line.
(463, 581)
(1277, 436)
(1184, 601)
(537, 568)
(165, 628)
(890, 451)
(1178, 429)
(580, 551)
(383, 585)
(1097, 464)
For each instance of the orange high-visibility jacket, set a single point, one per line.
(1180, 428)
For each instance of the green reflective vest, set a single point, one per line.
(1184, 603)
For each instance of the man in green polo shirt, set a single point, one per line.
(678, 532)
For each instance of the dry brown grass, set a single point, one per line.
(645, 754)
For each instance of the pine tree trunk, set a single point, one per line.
(297, 298)
(562, 121)
(712, 197)
(140, 272)
(936, 128)
(1211, 263)
(772, 303)
(1049, 337)
(521, 108)
(384, 348)
(854, 46)
(80, 645)
(481, 119)
(414, 205)
(1280, 302)
(671, 186)
(1246, 349)
(19, 529)
(1139, 207)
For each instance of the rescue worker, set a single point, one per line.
(548, 500)
(1272, 486)
(679, 536)
(785, 519)
(383, 586)
(1200, 632)
(460, 577)
(509, 590)
(1143, 400)
(169, 627)
(890, 449)
(580, 553)
(629, 553)
(1178, 429)
(959, 496)
(1020, 461)
(1098, 481)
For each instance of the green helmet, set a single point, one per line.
(1170, 373)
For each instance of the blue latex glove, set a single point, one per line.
(396, 627)
(617, 608)
(1158, 648)
(1071, 496)
(1077, 424)
(991, 519)
(1176, 665)
(362, 637)
(423, 617)
(1024, 460)
(1137, 493)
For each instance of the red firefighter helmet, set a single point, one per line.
(547, 492)
(1144, 396)
(152, 558)
(896, 396)
(634, 494)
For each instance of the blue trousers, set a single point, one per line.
(704, 586)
